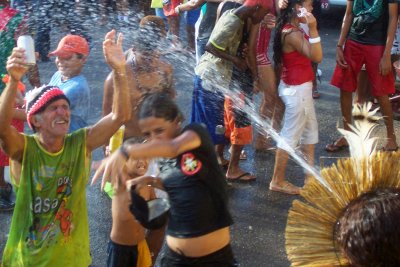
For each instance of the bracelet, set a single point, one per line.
(341, 46)
(124, 152)
(314, 40)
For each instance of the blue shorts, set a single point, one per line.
(192, 16)
(208, 109)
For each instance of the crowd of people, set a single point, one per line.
(50, 167)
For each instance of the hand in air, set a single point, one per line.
(112, 169)
(113, 52)
(16, 64)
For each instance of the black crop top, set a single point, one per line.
(197, 190)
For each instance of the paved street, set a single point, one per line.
(259, 215)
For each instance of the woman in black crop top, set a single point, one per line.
(199, 220)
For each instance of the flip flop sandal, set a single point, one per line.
(240, 178)
(333, 148)
(287, 188)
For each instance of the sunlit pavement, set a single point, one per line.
(260, 215)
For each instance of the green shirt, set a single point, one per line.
(225, 36)
(50, 221)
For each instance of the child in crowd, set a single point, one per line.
(293, 52)
(198, 231)
(127, 246)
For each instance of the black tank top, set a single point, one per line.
(197, 190)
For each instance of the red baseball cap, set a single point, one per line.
(71, 44)
(266, 4)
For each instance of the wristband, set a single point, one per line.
(341, 46)
(314, 40)
(124, 152)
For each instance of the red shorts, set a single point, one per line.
(356, 55)
(169, 8)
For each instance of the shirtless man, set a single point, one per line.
(146, 71)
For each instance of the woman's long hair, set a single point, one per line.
(284, 18)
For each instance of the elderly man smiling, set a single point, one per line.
(50, 168)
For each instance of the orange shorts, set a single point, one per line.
(356, 55)
(238, 127)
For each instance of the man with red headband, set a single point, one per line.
(50, 169)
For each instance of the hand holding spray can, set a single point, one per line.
(26, 42)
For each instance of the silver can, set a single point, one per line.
(220, 130)
(26, 42)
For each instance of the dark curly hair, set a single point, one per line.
(368, 231)
(159, 105)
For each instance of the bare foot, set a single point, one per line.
(285, 187)
(241, 176)
(337, 146)
(391, 145)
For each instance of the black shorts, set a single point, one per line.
(121, 255)
(221, 258)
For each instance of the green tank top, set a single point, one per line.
(50, 221)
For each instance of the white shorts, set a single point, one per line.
(300, 122)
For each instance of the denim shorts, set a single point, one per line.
(121, 255)
(220, 258)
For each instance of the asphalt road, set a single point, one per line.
(259, 215)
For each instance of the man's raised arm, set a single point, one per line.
(102, 131)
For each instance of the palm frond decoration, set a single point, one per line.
(311, 221)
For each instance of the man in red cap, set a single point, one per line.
(71, 55)
(51, 168)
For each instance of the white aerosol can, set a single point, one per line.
(26, 42)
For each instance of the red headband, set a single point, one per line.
(41, 100)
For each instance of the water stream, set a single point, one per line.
(181, 62)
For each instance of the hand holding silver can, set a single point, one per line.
(26, 42)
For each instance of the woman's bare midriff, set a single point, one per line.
(200, 246)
